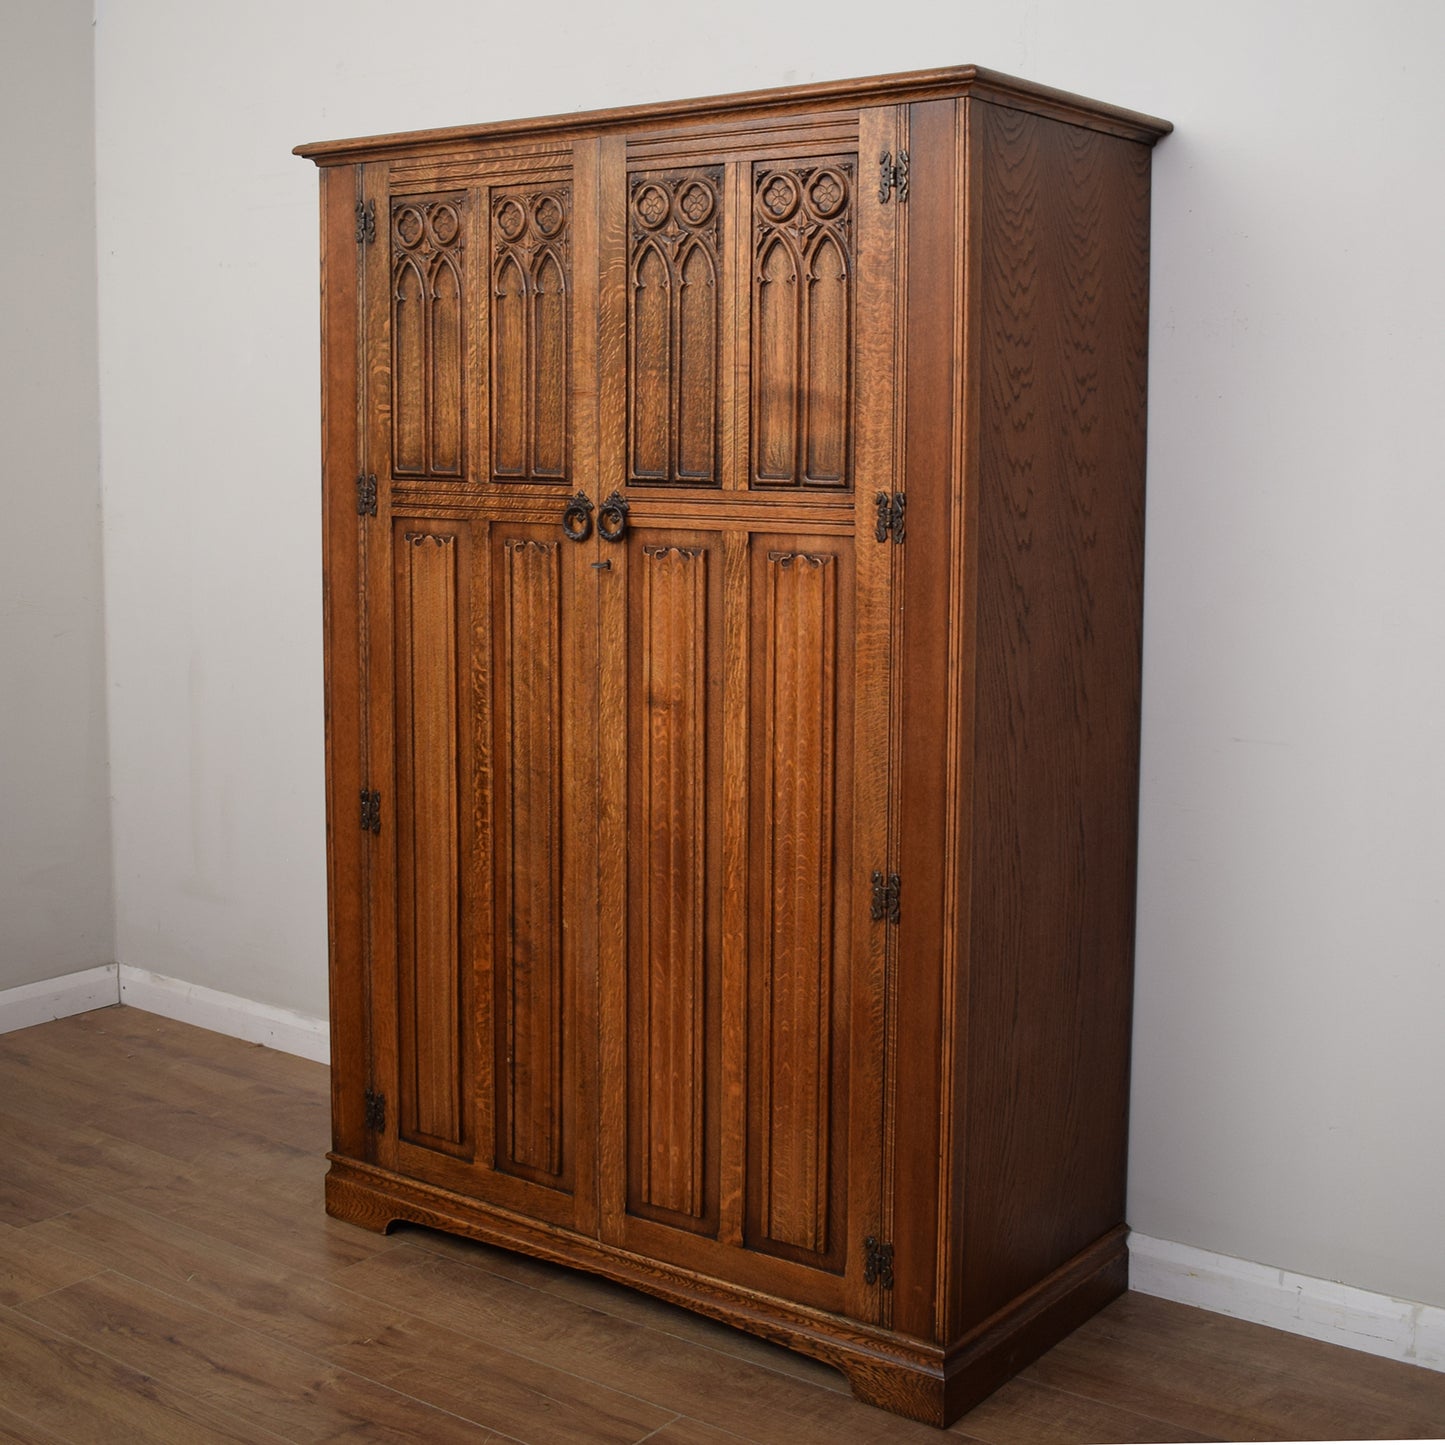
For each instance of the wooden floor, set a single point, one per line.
(167, 1273)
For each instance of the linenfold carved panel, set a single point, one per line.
(793, 990)
(669, 1034)
(430, 958)
(528, 981)
(673, 323)
(428, 331)
(802, 314)
(531, 331)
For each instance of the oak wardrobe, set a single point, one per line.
(733, 552)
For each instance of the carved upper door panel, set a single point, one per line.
(429, 307)
(470, 298)
(674, 316)
(802, 323)
(529, 309)
(740, 310)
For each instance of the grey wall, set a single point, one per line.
(1288, 1071)
(55, 874)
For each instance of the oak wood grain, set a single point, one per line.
(623, 979)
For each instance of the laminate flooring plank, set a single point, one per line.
(615, 1299)
(161, 1200)
(260, 1196)
(71, 1391)
(30, 1268)
(254, 1380)
(176, 1104)
(509, 1392)
(1024, 1412)
(1244, 1383)
(159, 1042)
(686, 1378)
(15, 1431)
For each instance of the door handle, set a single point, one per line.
(577, 518)
(612, 518)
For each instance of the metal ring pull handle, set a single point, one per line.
(577, 518)
(612, 518)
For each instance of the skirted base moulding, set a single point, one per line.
(905, 1376)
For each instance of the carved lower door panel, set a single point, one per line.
(482, 1032)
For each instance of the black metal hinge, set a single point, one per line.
(891, 507)
(885, 897)
(877, 1262)
(365, 496)
(375, 1112)
(365, 222)
(893, 175)
(370, 812)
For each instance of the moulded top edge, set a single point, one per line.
(910, 85)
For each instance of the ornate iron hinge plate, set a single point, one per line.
(891, 508)
(365, 496)
(877, 1262)
(365, 222)
(370, 812)
(885, 897)
(375, 1112)
(892, 176)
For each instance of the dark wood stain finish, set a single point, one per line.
(611, 955)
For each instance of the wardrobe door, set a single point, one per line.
(480, 637)
(744, 636)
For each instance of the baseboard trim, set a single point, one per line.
(226, 1013)
(1338, 1314)
(29, 1004)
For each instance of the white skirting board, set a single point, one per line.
(226, 1013)
(172, 998)
(1338, 1314)
(57, 998)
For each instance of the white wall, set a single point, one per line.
(55, 885)
(1291, 986)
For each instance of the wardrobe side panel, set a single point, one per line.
(930, 712)
(1060, 299)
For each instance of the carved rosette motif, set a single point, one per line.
(802, 358)
(428, 337)
(531, 331)
(674, 326)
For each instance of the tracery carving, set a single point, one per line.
(802, 323)
(428, 329)
(674, 315)
(531, 332)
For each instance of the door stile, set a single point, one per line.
(582, 881)
(378, 666)
(879, 373)
(610, 590)
(343, 538)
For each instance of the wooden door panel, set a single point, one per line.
(800, 827)
(529, 1046)
(802, 306)
(673, 962)
(430, 612)
(530, 329)
(428, 310)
